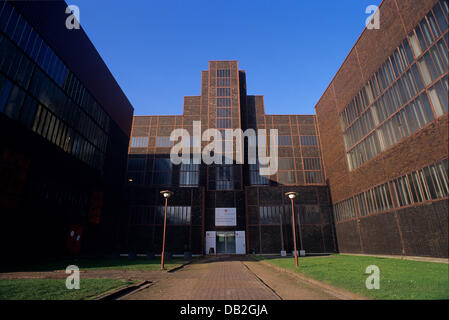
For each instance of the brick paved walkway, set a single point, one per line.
(228, 278)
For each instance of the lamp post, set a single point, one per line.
(166, 194)
(292, 196)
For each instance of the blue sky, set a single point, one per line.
(290, 49)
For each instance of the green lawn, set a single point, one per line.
(138, 264)
(55, 289)
(399, 279)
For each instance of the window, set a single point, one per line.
(223, 73)
(162, 171)
(163, 142)
(364, 113)
(312, 164)
(255, 177)
(284, 140)
(309, 141)
(286, 177)
(223, 92)
(189, 175)
(344, 210)
(175, 215)
(286, 164)
(313, 177)
(223, 102)
(139, 142)
(272, 215)
(224, 179)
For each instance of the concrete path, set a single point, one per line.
(229, 278)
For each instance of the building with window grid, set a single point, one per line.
(65, 126)
(259, 213)
(383, 125)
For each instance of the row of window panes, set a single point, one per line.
(286, 177)
(344, 210)
(223, 102)
(396, 96)
(163, 142)
(13, 24)
(139, 142)
(404, 123)
(433, 64)
(175, 215)
(223, 82)
(430, 183)
(313, 177)
(224, 123)
(309, 141)
(284, 140)
(15, 104)
(312, 163)
(54, 98)
(430, 28)
(189, 175)
(223, 92)
(286, 164)
(14, 63)
(19, 31)
(399, 60)
(374, 200)
(224, 112)
(50, 127)
(223, 73)
(305, 214)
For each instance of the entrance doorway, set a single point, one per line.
(226, 242)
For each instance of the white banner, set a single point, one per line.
(225, 217)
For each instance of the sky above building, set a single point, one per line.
(290, 49)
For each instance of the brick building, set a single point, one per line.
(383, 124)
(260, 213)
(65, 126)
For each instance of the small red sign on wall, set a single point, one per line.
(74, 239)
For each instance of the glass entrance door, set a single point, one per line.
(226, 242)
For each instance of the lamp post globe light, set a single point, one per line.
(166, 194)
(292, 196)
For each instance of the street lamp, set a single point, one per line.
(166, 194)
(292, 196)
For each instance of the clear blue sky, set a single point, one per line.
(290, 49)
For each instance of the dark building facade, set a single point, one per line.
(227, 208)
(383, 124)
(64, 126)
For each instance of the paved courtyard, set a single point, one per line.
(229, 278)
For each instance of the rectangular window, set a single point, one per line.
(175, 215)
(312, 164)
(189, 175)
(223, 73)
(284, 140)
(256, 178)
(313, 177)
(309, 141)
(223, 179)
(162, 171)
(286, 177)
(164, 142)
(139, 142)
